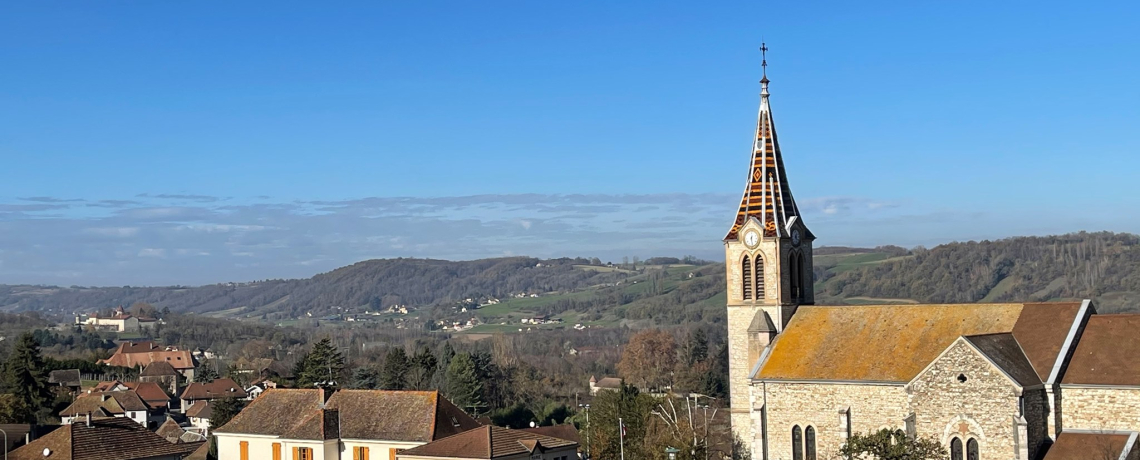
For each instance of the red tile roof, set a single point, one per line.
(219, 388)
(151, 393)
(141, 354)
(200, 409)
(106, 439)
(1072, 445)
(487, 442)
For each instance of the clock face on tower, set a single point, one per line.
(751, 238)
(796, 237)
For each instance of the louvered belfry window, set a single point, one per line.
(746, 277)
(759, 278)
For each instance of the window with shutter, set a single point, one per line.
(276, 451)
(243, 450)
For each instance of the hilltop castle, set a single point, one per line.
(1010, 381)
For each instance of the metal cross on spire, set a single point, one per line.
(764, 58)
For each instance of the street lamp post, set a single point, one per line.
(672, 452)
(5, 444)
(587, 406)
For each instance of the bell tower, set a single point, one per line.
(768, 263)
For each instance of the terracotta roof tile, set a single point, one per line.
(200, 409)
(158, 369)
(487, 442)
(1087, 446)
(565, 431)
(219, 388)
(111, 402)
(151, 393)
(275, 413)
(106, 439)
(170, 431)
(893, 343)
(1041, 332)
(1106, 353)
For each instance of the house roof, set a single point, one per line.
(158, 369)
(893, 343)
(487, 442)
(767, 197)
(200, 454)
(105, 439)
(106, 385)
(219, 388)
(608, 382)
(151, 393)
(124, 357)
(110, 402)
(170, 431)
(564, 431)
(66, 377)
(410, 416)
(1106, 353)
(1071, 445)
(200, 409)
(1003, 350)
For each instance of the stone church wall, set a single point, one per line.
(872, 407)
(1104, 408)
(984, 407)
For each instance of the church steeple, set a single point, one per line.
(768, 197)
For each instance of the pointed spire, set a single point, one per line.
(767, 197)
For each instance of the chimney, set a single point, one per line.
(88, 419)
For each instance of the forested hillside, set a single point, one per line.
(1104, 266)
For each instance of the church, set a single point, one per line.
(1017, 381)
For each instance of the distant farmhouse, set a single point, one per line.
(1019, 380)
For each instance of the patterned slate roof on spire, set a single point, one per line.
(768, 198)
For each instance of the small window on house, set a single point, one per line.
(972, 449)
(809, 442)
(359, 453)
(955, 449)
(797, 443)
(302, 453)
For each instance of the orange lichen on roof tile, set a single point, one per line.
(882, 343)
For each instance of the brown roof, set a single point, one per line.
(1072, 445)
(170, 431)
(1005, 353)
(106, 439)
(201, 453)
(487, 442)
(111, 403)
(106, 385)
(152, 394)
(1106, 353)
(608, 382)
(158, 369)
(564, 431)
(219, 388)
(200, 409)
(410, 416)
(65, 377)
(178, 359)
(893, 343)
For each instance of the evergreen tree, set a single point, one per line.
(423, 369)
(633, 408)
(395, 369)
(365, 378)
(464, 387)
(26, 379)
(697, 348)
(223, 410)
(205, 373)
(322, 366)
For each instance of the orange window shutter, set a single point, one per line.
(296, 453)
(243, 449)
(355, 453)
(363, 453)
(276, 451)
(392, 453)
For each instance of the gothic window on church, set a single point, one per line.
(809, 443)
(759, 278)
(796, 266)
(972, 449)
(956, 449)
(746, 277)
(797, 443)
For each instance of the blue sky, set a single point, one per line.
(163, 142)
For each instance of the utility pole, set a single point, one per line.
(621, 437)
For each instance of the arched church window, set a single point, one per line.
(796, 266)
(797, 443)
(972, 449)
(809, 442)
(759, 278)
(955, 449)
(746, 277)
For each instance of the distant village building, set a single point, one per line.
(605, 384)
(119, 321)
(216, 389)
(349, 425)
(67, 379)
(985, 380)
(124, 404)
(163, 374)
(142, 354)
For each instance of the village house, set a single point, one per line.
(172, 432)
(605, 384)
(163, 374)
(141, 354)
(124, 404)
(103, 439)
(492, 442)
(199, 415)
(67, 380)
(349, 425)
(118, 321)
(216, 389)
